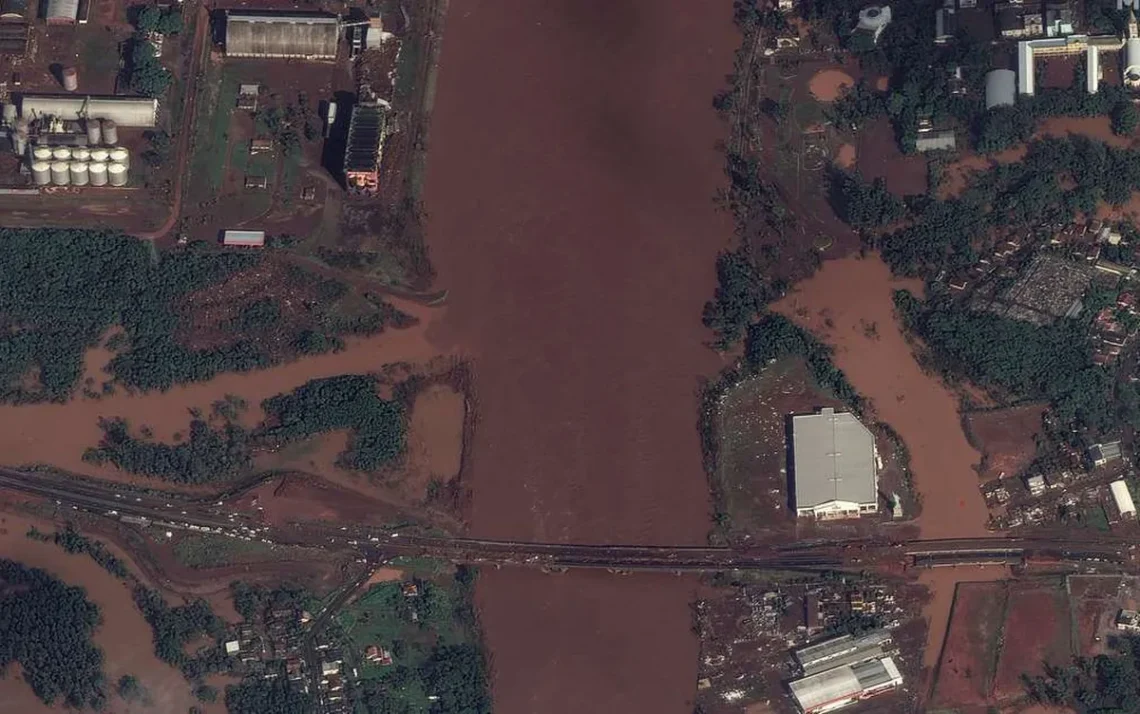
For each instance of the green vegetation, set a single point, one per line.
(1106, 684)
(162, 21)
(858, 106)
(131, 690)
(256, 695)
(209, 454)
(176, 627)
(205, 550)
(73, 541)
(205, 693)
(862, 204)
(345, 402)
(148, 76)
(211, 139)
(775, 336)
(46, 627)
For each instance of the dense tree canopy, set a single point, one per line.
(1106, 684)
(864, 204)
(46, 626)
(775, 336)
(256, 695)
(208, 454)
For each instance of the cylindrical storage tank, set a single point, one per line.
(1001, 88)
(117, 174)
(97, 172)
(94, 133)
(70, 79)
(61, 173)
(9, 113)
(20, 144)
(1132, 61)
(41, 173)
(110, 133)
(120, 156)
(80, 153)
(78, 173)
(61, 153)
(100, 155)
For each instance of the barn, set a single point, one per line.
(310, 36)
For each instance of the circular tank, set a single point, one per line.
(117, 174)
(70, 79)
(110, 133)
(97, 172)
(100, 154)
(61, 153)
(121, 156)
(78, 173)
(61, 173)
(94, 134)
(41, 153)
(41, 173)
(80, 154)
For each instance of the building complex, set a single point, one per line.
(843, 670)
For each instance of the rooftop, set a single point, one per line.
(834, 459)
(841, 650)
(816, 692)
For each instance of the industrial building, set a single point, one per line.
(834, 466)
(1123, 499)
(839, 686)
(365, 144)
(123, 111)
(247, 239)
(1029, 50)
(841, 650)
(1103, 454)
(277, 36)
(935, 141)
(61, 12)
(1001, 88)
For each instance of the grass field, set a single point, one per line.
(201, 550)
(212, 129)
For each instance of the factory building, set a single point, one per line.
(846, 684)
(1001, 88)
(272, 36)
(245, 239)
(834, 466)
(123, 111)
(935, 141)
(365, 144)
(841, 650)
(61, 12)
(1092, 47)
(1123, 499)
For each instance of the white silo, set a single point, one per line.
(41, 153)
(41, 173)
(79, 174)
(61, 153)
(97, 172)
(20, 144)
(60, 173)
(119, 155)
(80, 153)
(94, 134)
(100, 155)
(117, 174)
(110, 133)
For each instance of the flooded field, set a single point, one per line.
(577, 265)
(841, 304)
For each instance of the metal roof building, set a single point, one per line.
(837, 687)
(296, 36)
(841, 650)
(61, 12)
(1123, 498)
(251, 239)
(1001, 88)
(1101, 454)
(124, 111)
(834, 464)
(935, 141)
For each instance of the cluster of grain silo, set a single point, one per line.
(80, 166)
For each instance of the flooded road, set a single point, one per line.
(848, 304)
(569, 193)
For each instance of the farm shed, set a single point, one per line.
(841, 650)
(61, 12)
(124, 111)
(293, 36)
(1123, 498)
(834, 465)
(251, 239)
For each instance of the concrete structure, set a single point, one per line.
(94, 132)
(269, 35)
(79, 175)
(80, 153)
(1128, 621)
(844, 649)
(249, 239)
(1123, 498)
(873, 20)
(126, 111)
(1029, 50)
(61, 12)
(1106, 453)
(935, 141)
(120, 155)
(841, 686)
(834, 466)
(41, 173)
(1001, 88)
(117, 175)
(97, 172)
(42, 153)
(70, 79)
(365, 144)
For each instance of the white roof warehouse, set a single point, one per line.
(834, 465)
(293, 36)
(124, 111)
(837, 687)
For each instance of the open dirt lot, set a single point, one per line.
(1094, 602)
(1006, 438)
(1036, 632)
(879, 157)
(589, 238)
(827, 85)
(965, 671)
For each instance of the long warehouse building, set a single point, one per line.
(841, 650)
(312, 36)
(838, 687)
(835, 466)
(124, 111)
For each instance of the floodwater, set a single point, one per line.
(124, 636)
(848, 304)
(569, 190)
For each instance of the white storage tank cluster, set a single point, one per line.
(120, 156)
(61, 173)
(94, 135)
(100, 155)
(41, 153)
(61, 153)
(117, 174)
(97, 173)
(110, 133)
(78, 173)
(41, 173)
(80, 153)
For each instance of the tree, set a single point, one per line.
(160, 148)
(862, 204)
(153, 19)
(148, 76)
(1125, 118)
